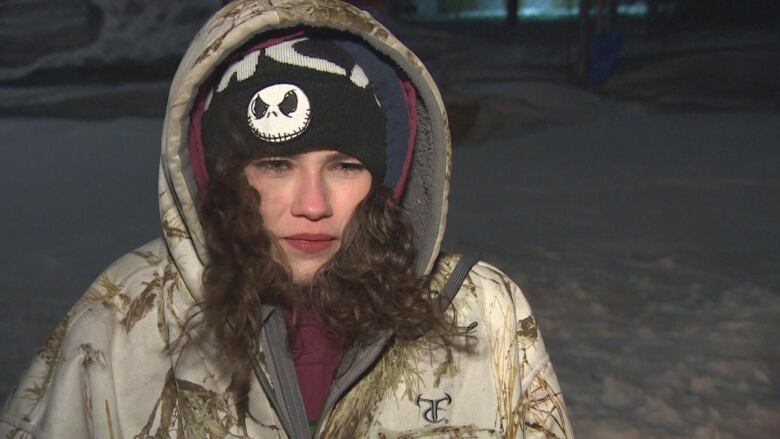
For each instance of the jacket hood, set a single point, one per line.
(424, 201)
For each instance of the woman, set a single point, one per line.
(296, 289)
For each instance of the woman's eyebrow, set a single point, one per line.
(338, 155)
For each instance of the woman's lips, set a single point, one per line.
(310, 242)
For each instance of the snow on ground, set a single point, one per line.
(647, 244)
(644, 236)
(76, 196)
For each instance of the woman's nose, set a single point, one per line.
(312, 199)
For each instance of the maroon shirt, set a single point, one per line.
(316, 358)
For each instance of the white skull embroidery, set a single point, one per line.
(279, 113)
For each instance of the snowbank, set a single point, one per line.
(98, 32)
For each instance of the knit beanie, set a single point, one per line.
(306, 94)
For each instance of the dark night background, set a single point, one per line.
(633, 193)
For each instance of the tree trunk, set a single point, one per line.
(652, 17)
(581, 69)
(511, 12)
(613, 14)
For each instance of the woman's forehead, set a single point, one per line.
(327, 153)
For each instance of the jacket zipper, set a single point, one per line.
(364, 358)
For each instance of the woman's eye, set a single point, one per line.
(274, 166)
(349, 167)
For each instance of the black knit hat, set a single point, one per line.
(300, 95)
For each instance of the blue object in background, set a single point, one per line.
(604, 51)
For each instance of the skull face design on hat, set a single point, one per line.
(279, 113)
(300, 95)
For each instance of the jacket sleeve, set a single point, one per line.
(530, 398)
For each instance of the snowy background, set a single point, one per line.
(640, 218)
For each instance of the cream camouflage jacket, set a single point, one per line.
(111, 368)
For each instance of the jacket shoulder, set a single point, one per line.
(137, 273)
(521, 365)
(484, 281)
(499, 285)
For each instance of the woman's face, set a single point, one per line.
(306, 201)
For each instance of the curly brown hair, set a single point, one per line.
(369, 285)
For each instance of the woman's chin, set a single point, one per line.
(303, 273)
(303, 266)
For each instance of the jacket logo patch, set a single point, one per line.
(431, 414)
